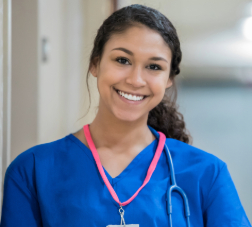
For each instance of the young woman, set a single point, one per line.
(117, 170)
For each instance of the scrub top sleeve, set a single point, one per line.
(223, 207)
(20, 206)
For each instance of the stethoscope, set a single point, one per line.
(173, 186)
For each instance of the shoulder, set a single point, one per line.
(23, 166)
(194, 164)
(191, 155)
(197, 168)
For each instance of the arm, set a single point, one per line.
(20, 205)
(223, 207)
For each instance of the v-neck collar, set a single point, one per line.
(140, 157)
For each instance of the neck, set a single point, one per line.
(108, 131)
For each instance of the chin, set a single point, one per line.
(128, 117)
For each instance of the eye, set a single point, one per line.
(122, 60)
(154, 67)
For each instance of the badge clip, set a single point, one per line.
(121, 212)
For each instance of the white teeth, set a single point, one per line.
(130, 97)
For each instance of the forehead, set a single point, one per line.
(140, 40)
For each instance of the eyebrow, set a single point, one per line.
(131, 53)
(124, 50)
(158, 59)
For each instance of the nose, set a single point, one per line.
(136, 77)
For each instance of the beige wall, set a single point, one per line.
(94, 17)
(24, 76)
(63, 97)
(49, 97)
(50, 74)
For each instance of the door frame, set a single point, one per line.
(5, 87)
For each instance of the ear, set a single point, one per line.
(94, 68)
(169, 83)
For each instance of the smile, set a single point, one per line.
(130, 97)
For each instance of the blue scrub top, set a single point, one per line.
(58, 184)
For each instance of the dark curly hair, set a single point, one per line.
(164, 117)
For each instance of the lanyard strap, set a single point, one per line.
(151, 168)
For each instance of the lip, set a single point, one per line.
(130, 101)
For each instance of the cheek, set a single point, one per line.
(158, 86)
(108, 79)
(111, 74)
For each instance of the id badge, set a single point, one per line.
(121, 211)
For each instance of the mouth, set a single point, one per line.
(129, 96)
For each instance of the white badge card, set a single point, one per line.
(133, 225)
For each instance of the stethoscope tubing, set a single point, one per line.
(173, 186)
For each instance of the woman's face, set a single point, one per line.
(133, 73)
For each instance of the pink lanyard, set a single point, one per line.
(103, 175)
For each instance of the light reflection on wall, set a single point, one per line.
(247, 28)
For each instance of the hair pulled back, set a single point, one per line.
(164, 117)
